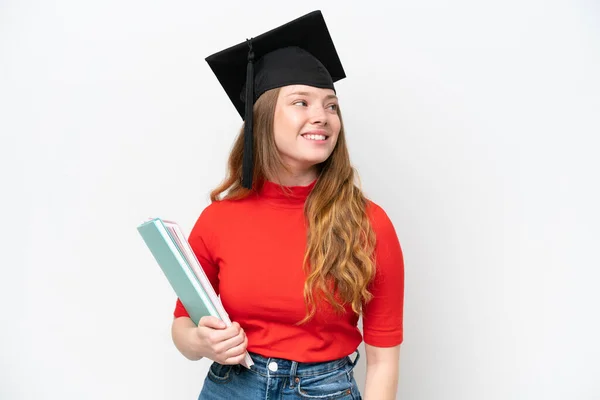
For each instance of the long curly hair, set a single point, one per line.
(339, 257)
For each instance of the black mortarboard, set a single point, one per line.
(301, 52)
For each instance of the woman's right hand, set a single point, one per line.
(214, 340)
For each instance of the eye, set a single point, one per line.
(300, 102)
(333, 107)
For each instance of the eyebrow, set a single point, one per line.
(329, 96)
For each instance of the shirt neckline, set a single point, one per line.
(285, 196)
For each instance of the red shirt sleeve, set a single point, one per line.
(383, 315)
(197, 239)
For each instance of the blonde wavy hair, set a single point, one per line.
(339, 258)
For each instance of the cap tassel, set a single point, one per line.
(247, 162)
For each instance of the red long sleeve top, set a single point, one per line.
(252, 251)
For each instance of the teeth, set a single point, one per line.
(315, 137)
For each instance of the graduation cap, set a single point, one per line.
(300, 52)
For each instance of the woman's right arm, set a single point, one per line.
(182, 331)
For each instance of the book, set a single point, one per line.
(181, 267)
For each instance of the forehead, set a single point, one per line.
(305, 90)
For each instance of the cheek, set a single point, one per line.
(287, 124)
(336, 126)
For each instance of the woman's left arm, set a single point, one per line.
(383, 331)
(383, 365)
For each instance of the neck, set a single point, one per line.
(295, 177)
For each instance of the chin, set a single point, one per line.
(315, 160)
(307, 159)
(313, 164)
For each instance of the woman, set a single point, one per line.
(289, 242)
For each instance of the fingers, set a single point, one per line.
(231, 350)
(227, 344)
(230, 343)
(212, 322)
(236, 355)
(216, 336)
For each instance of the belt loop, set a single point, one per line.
(353, 363)
(293, 371)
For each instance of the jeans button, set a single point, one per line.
(273, 366)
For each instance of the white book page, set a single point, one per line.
(192, 260)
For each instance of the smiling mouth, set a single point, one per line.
(314, 137)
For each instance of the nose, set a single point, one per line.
(318, 116)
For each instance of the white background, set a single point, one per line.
(474, 124)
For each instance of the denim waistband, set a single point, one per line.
(282, 367)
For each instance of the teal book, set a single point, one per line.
(174, 255)
(180, 275)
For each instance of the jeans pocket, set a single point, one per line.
(338, 384)
(220, 373)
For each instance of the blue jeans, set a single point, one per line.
(276, 378)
